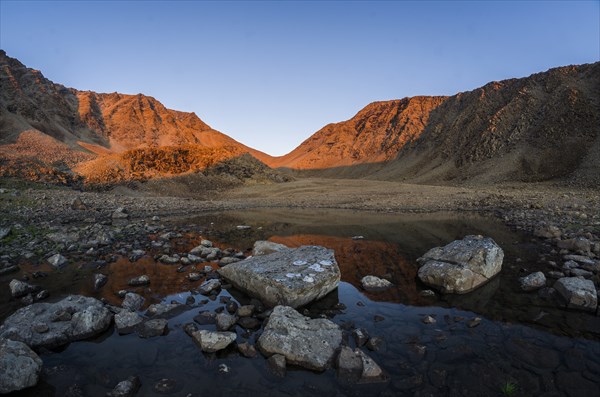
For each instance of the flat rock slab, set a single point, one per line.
(292, 277)
(579, 293)
(73, 318)
(20, 367)
(310, 343)
(461, 266)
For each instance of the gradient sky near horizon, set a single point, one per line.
(270, 74)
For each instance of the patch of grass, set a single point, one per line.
(508, 388)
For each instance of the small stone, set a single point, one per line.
(190, 300)
(371, 372)
(43, 294)
(427, 293)
(349, 364)
(126, 321)
(249, 322)
(231, 307)
(194, 276)
(225, 321)
(136, 255)
(533, 281)
(99, 280)
(375, 343)
(209, 286)
(361, 336)
(57, 260)
(20, 288)
(77, 204)
(277, 365)
(224, 369)
(165, 386)
(428, 320)
(120, 214)
(190, 328)
(211, 342)
(373, 283)
(139, 281)
(205, 318)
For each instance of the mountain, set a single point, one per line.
(43, 124)
(545, 126)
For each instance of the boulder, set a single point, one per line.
(263, 247)
(20, 288)
(73, 318)
(211, 342)
(533, 281)
(20, 367)
(225, 321)
(310, 343)
(373, 283)
(462, 265)
(293, 277)
(579, 293)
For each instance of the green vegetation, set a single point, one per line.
(508, 388)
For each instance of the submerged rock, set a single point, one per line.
(126, 321)
(293, 277)
(156, 327)
(20, 367)
(138, 281)
(57, 261)
(373, 283)
(166, 310)
(462, 265)
(126, 388)
(310, 343)
(73, 318)
(579, 293)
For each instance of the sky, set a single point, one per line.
(270, 74)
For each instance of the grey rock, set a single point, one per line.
(209, 286)
(132, 301)
(474, 322)
(126, 388)
(151, 328)
(78, 204)
(375, 343)
(579, 293)
(20, 288)
(533, 281)
(20, 367)
(166, 310)
(293, 277)
(99, 280)
(249, 322)
(136, 255)
(581, 273)
(206, 243)
(194, 276)
(361, 336)
(549, 231)
(462, 265)
(228, 261)
(139, 281)
(195, 259)
(126, 321)
(263, 247)
(190, 328)
(374, 283)
(428, 320)
(310, 343)
(206, 317)
(211, 342)
(57, 260)
(427, 293)
(225, 321)
(73, 318)
(169, 260)
(575, 244)
(277, 365)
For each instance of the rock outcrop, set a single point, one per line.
(462, 265)
(292, 277)
(310, 343)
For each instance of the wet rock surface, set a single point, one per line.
(291, 277)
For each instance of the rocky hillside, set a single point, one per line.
(57, 127)
(542, 127)
(377, 133)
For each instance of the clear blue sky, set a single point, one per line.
(270, 74)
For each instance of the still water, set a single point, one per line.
(522, 340)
